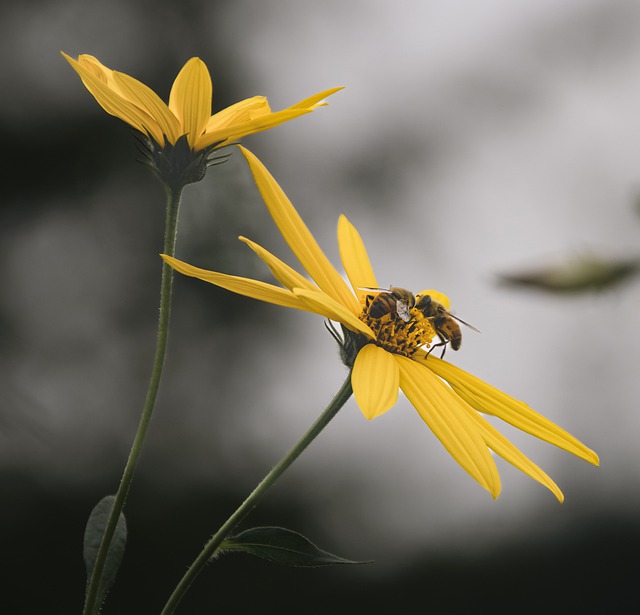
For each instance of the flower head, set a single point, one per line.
(185, 125)
(389, 348)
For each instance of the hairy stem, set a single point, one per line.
(173, 206)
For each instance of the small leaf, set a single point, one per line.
(93, 536)
(587, 273)
(282, 546)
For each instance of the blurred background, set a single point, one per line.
(473, 141)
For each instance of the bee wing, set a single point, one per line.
(403, 310)
(375, 290)
(466, 324)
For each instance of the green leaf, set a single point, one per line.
(587, 273)
(92, 537)
(282, 546)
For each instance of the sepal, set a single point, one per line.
(349, 343)
(177, 165)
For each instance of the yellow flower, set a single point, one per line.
(390, 352)
(189, 109)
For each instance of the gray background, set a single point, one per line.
(472, 139)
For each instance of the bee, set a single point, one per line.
(394, 300)
(444, 322)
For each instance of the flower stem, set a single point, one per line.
(216, 540)
(171, 226)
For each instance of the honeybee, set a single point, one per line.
(444, 322)
(391, 300)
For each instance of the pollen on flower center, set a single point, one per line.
(397, 336)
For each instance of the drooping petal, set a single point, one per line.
(501, 446)
(144, 97)
(190, 99)
(354, 256)
(437, 296)
(375, 380)
(321, 303)
(447, 417)
(281, 271)
(298, 236)
(489, 400)
(113, 102)
(242, 286)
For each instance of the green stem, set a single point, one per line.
(171, 226)
(216, 540)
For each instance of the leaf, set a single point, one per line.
(282, 546)
(587, 273)
(93, 533)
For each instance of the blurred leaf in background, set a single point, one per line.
(589, 272)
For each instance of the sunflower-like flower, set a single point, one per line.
(389, 351)
(183, 133)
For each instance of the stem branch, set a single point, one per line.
(216, 540)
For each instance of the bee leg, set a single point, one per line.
(438, 345)
(442, 343)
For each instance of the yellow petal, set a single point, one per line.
(240, 112)
(436, 296)
(298, 236)
(241, 286)
(254, 115)
(501, 446)
(321, 303)
(447, 417)
(317, 100)
(489, 400)
(190, 99)
(281, 271)
(375, 380)
(223, 135)
(145, 98)
(113, 102)
(91, 63)
(354, 257)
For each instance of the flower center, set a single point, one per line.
(397, 336)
